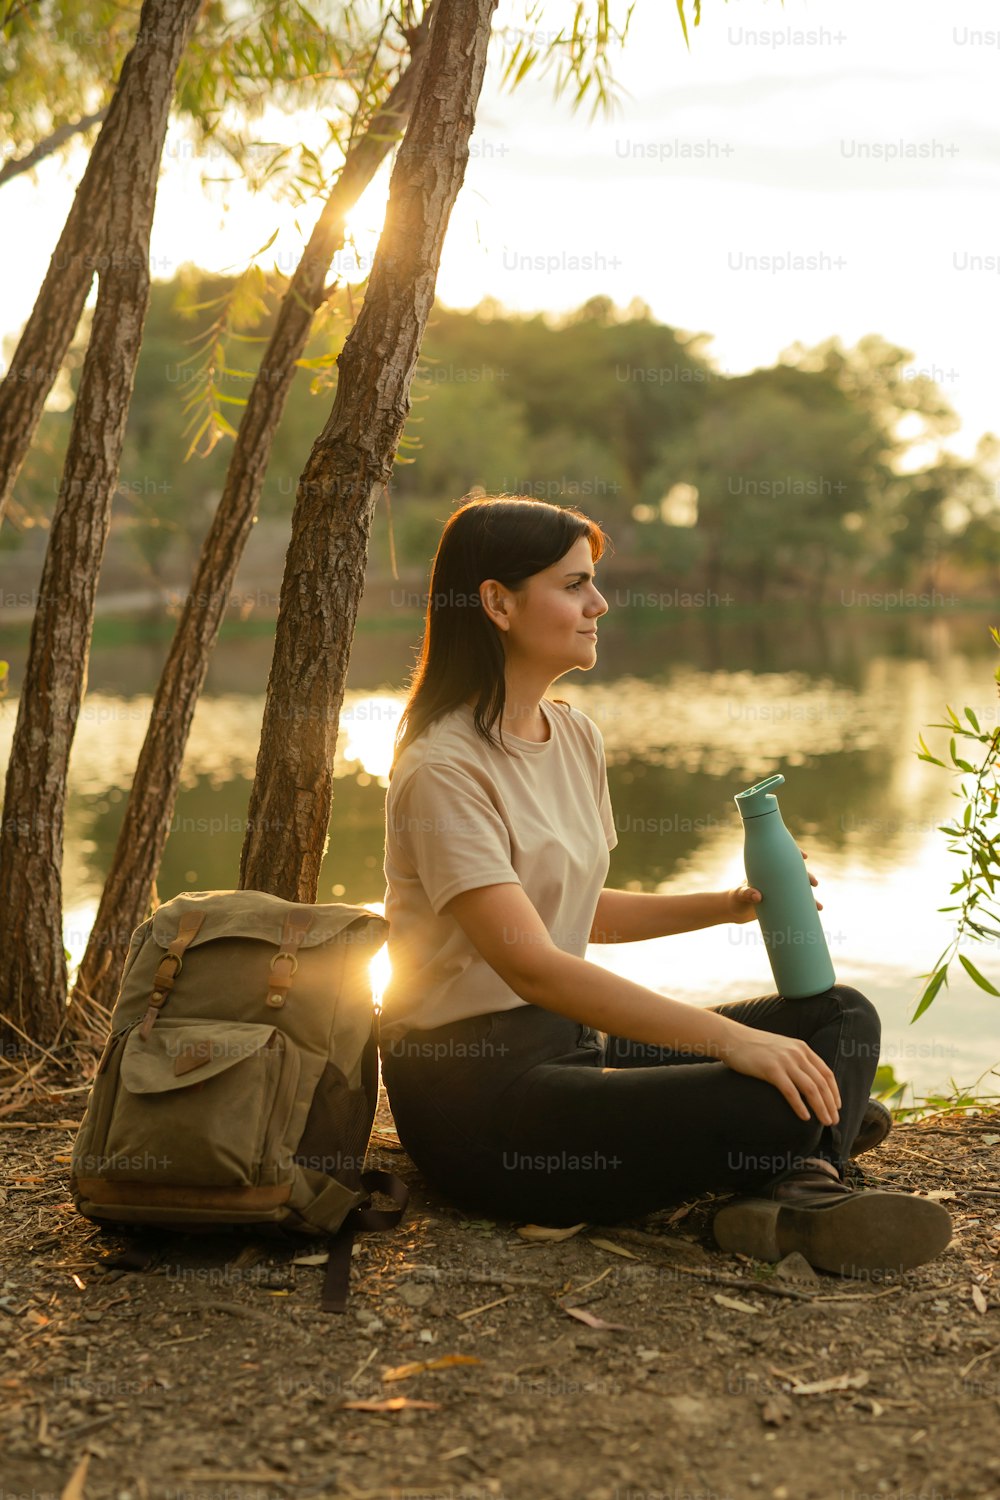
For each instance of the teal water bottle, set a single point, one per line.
(789, 922)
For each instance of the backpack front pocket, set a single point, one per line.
(196, 1103)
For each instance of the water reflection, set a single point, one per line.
(690, 715)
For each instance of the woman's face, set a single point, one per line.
(553, 616)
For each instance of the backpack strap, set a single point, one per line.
(285, 961)
(336, 1283)
(169, 967)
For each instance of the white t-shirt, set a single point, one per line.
(460, 814)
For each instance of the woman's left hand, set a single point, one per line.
(742, 903)
(742, 899)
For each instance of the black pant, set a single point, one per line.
(525, 1114)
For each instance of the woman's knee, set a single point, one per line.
(866, 1023)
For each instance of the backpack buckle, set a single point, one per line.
(163, 979)
(296, 927)
(280, 984)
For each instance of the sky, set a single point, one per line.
(825, 167)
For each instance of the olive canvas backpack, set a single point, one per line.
(239, 1081)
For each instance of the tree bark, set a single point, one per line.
(80, 252)
(350, 463)
(32, 961)
(59, 137)
(150, 807)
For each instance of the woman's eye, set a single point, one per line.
(577, 584)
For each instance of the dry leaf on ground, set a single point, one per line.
(734, 1302)
(615, 1249)
(77, 1480)
(403, 1372)
(391, 1403)
(543, 1232)
(835, 1383)
(591, 1319)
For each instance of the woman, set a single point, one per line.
(525, 1082)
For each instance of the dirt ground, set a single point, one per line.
(213, 1376)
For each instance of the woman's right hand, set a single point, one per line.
(791, 1065)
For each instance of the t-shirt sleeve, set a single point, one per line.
(604, 797)
(601, 779)
(451, 833)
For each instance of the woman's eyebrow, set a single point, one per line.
(578, 575)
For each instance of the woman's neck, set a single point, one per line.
(523, 719)
(522, 711)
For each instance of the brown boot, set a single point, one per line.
(834, 1226)
(876, 1122)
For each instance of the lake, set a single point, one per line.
(694, 705)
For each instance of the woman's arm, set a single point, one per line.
(502, 924)
(632, 916)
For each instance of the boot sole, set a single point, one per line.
(850, 1236)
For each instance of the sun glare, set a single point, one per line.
(367, 732)
(379, 969)
(362, 230)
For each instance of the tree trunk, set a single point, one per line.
(49, 331)
(350, 463)
(32, 961)
(150, 808)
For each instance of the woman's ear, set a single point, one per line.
(494, 600)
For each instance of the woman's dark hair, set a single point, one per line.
(510, 538)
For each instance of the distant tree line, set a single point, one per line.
(771, 483)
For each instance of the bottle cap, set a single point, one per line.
(757, 800)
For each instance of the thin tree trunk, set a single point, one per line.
(59, 137)
(80, 252)
(146, 824)
(350, 463)
(32, 961)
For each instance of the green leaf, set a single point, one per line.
(526, 62)
(885, 1085)
(972, 719)
(975, 975)
(514, 56)
(928, 756)
(192, 447)
(935, 983)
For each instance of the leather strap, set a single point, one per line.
(336, 1283)
(133, 1257)
(815, 1180)
(169, 967)
(285, 961)
(337, 1280)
